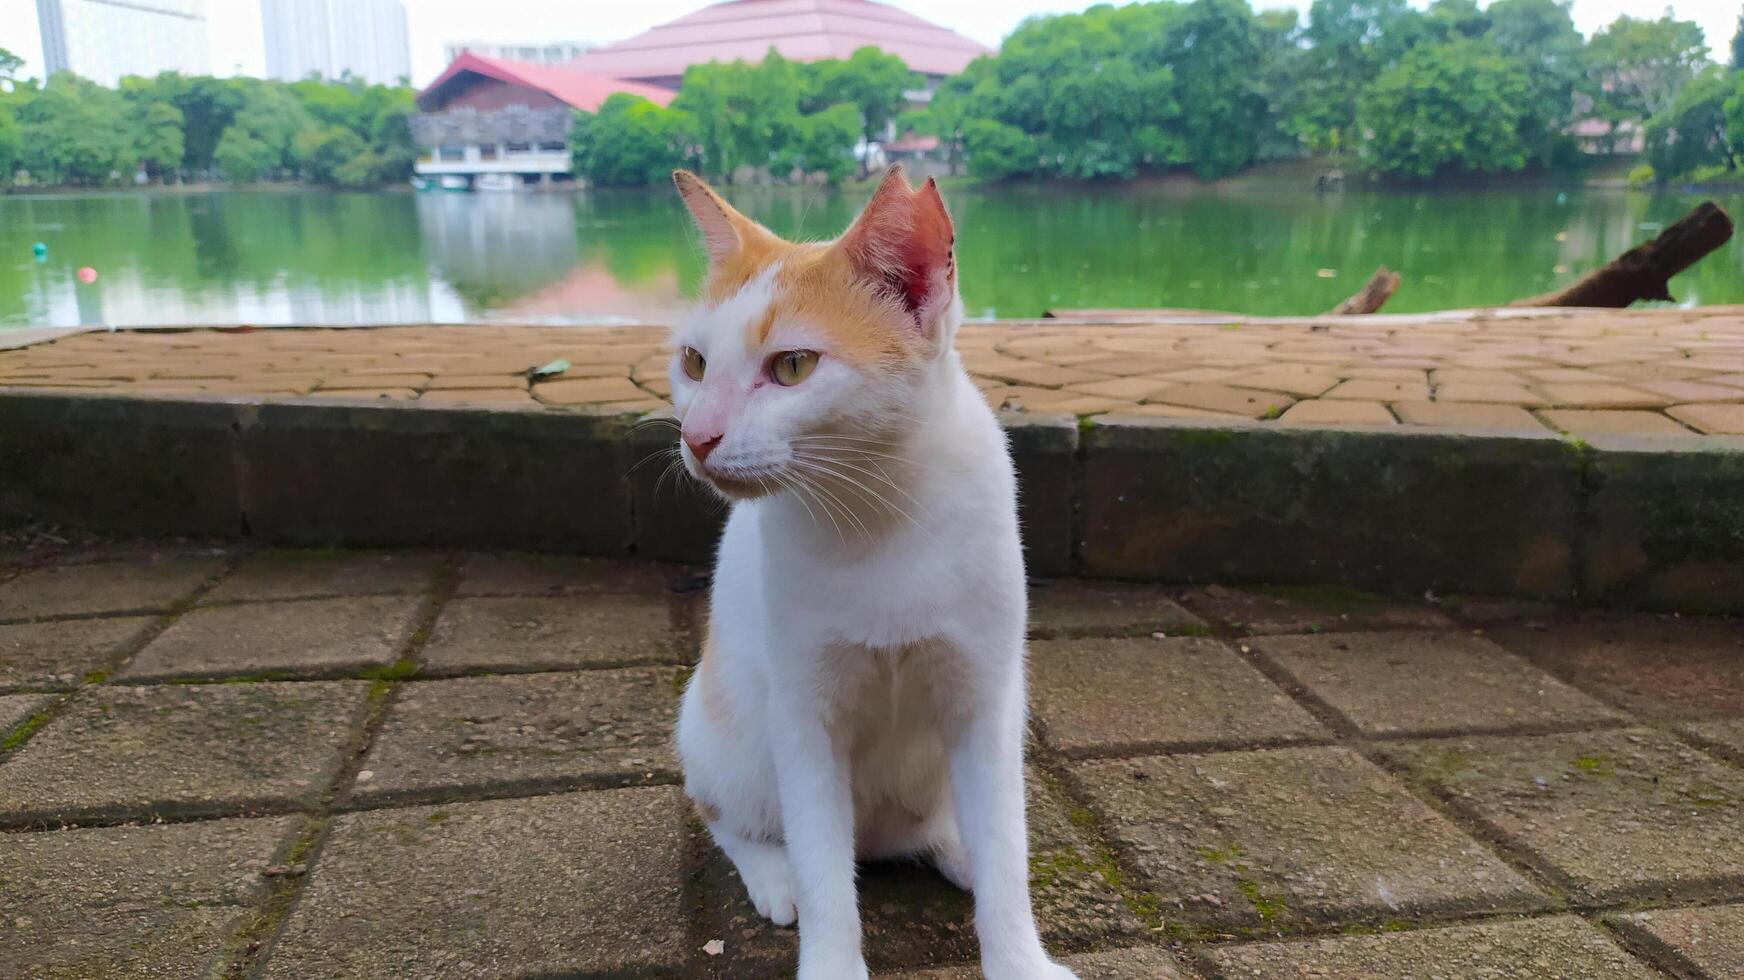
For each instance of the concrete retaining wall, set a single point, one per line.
(1651, 523)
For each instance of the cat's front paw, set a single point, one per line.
(769, 881)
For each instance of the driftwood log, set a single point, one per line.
(1371, 297)
(1644, 271)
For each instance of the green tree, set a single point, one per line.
(1084, 96)
(744, 114)
(1539, 35)
(209, 106)
(874, 83)
(998, 151)
(1637, 67)
(1212, 48)
(1691, 133)
(376, 115)
(11, 140)
(629, 142)
(325, 153)
(824, 143)
(72, 131)
(1738, 45)
(947, 112)
(1279, 82)
(158, 143)
(1349, 44)
(243, 157)
(1446, 110)
(9, 65)
(1451, 20)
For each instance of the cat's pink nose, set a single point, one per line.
(701, 444)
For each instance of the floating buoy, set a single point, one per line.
(87, 275)
(39, 250)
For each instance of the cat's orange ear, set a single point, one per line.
(902, 244)
(724, 230)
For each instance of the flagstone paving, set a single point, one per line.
(317, 764)
(1650, 373)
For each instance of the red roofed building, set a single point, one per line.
(802, 30)
(509, 118)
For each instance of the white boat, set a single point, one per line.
(497, 182)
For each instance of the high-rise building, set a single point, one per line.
(328, 38)
(105, 40)
(543, 53)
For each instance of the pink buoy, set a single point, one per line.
(87, 275)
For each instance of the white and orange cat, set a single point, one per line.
(861, 691)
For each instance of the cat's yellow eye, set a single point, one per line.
(694, 365)
(791, 367)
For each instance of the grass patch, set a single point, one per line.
(22, 733)
(1268, 907)
(402, 669)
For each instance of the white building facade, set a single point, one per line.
(328, 38)
(106, 40)
(549, 53)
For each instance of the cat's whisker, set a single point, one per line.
(805, 483)
(875, 473)
(786, 483)
(847, 512)
(866, 493)
(657, 454)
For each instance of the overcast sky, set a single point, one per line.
(237, 45)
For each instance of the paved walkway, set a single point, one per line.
(426, 765)
(1581, 372)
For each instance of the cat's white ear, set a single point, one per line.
(724, 230)
(902, 243)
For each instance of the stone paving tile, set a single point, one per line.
(1714, 419)
(1330, 412)
(151, 901)
(1467, 415)
(1131, 694)
(1613, 422)
(315, 574)
(1207, 366)
(1280, 837)
(1616, 814)
(1425, 683)
(310, 638)
(61, 652)
(1222, 398)
(1061, 608)
(556, 633)
(1375, 390)
(913, 918)
(1708, 942)
(123, 586)
(583, 883)
(1558, 948)
(183, 750)
(527, 575)
(524, 733)
(1658, 666)
(1138, 963)
(15, 708)
(1285, 609)
(1502, 394)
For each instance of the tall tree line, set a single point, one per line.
(70, 131)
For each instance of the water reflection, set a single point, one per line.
(299, 257)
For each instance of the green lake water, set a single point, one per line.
(612, 257)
